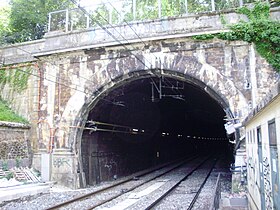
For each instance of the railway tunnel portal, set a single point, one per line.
(104, 108)
(151, 119)
(169, 87)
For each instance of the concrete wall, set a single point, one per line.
(267, 110)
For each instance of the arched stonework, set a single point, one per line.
(228, 72)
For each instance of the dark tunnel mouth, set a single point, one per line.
(146, 122)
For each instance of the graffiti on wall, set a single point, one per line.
(267, 184)
(59, 162)
(111, 165)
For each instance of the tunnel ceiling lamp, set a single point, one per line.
(165, 88)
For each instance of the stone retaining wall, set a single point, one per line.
(15, 147)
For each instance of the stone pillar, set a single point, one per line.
(62, 167)
(65, 168)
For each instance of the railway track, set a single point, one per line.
(100, 197)
(190, 201)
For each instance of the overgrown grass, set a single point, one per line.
(7, 114)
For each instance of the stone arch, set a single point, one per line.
(220, 95)
(191, 69)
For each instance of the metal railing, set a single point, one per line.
(217, 192)
(121, 11)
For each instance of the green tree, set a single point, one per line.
(4, 15)
(147, 9)
(28, 19)
(4, 21)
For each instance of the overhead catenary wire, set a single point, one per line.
(104, 28)
(129, 25)
(43, 77)
(108, 31)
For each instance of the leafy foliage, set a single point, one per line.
(259, 29)
(147, 9)
(204, 37)
(4, 21)
(17, 79)
(28, 19)
(4, 14)
(5, 165)
(6, 114)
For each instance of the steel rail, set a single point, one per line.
(157, 201)
(217, 194)
(139, 185)
(143, 173)
(201, 186)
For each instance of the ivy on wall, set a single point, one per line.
(260, 29)
(17, 78)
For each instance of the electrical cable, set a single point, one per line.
(129, 26)
(132, 30)
(108, 32)
(85, 12)
(59, 83)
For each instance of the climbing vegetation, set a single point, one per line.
(17, 78)
(260, 29)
